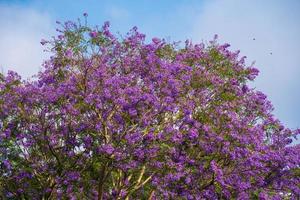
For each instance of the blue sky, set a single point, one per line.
(274, 24)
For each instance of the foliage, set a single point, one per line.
(122, 118)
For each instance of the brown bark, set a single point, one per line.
(101, 182)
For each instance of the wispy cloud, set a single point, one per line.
(116, 13)
(20, 34)
(267, 32)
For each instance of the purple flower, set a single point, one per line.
(216, 36)
(156, 40)
(5, 134)
(136, 118)
(253, 72)
(93, 34)
(61, 37)
(245, 89)
(193, 133)
(87, 141)
(43, 42)
(7, 164)
(132, 112)
(69, 53)
(20, 191)
(73, 176)
(9, 194)
(108, 149)
(188, 180)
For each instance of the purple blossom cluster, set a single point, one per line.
(120, 118)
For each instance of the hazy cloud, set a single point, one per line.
(21, 32)
(116, 13)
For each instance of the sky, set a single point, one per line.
(267, 32)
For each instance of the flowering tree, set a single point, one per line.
(120, 118)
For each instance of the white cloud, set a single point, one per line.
(275, 27)
(21, 32)
(116, 13)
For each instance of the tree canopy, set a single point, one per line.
(117, 117)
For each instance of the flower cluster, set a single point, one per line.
(111, 118)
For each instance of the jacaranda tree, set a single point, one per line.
(122, 118)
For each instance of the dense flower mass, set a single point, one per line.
(122, 118)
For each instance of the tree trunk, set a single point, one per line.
(101, 182)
